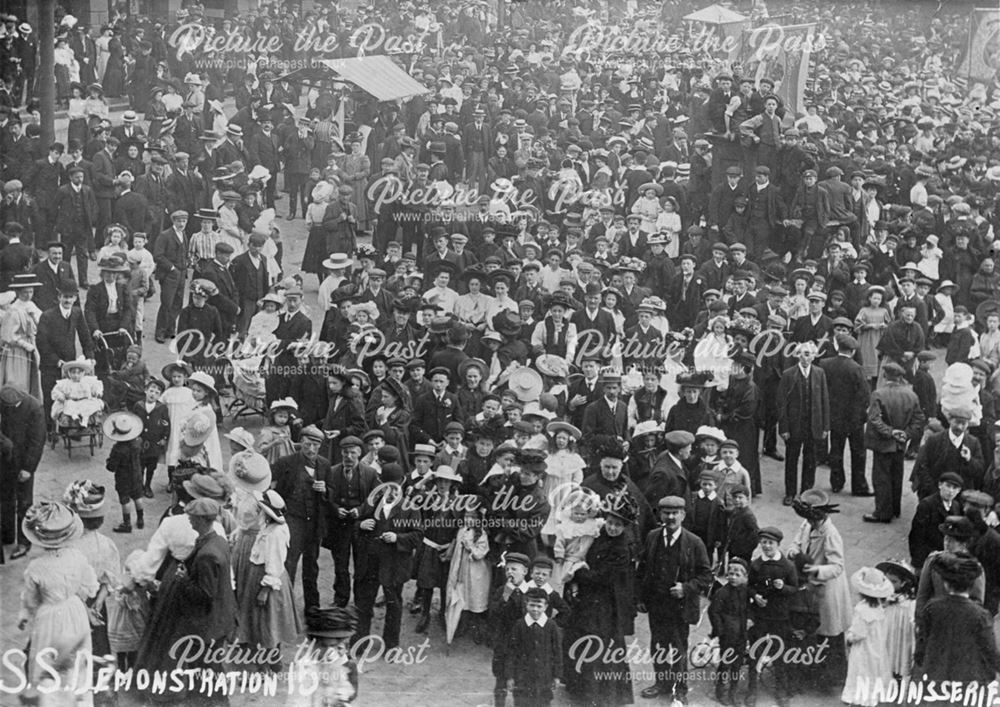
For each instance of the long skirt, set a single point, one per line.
(273, 624)
(315, 253)
(77, 131)
(19, 369)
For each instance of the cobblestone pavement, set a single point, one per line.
(455, 675)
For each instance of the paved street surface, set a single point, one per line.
(455, 675)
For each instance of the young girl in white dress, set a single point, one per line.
(180, 402)
(78, 395)
(203, 390)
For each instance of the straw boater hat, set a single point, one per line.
(338, 261)
(51, 524)
(446, 473)
(23, 280)
(872, 582)
(82, 363)
(271, 502)
(86, 498)
(552, 366)
(646, 427)
(122, 426)
(250, 470)
(424, 450)
(526, 384)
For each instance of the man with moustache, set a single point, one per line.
(60, 327)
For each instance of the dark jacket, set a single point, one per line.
(792, 418)
(601, 426)
(294, 485)
(251, 283)
(169, 253)
(894, 406)
(24, 425)
(846, 384)
(431, 416)
(535, 658)
(395, 560)
(66, 223)
(47, 296)
(96, 310)
(56, 337)
(728, 613)
(206, 593)
(937, 455)
(955, 641)
(227, 298)
(346, 414)
(155, 428)
(763, 572)
(924, 537)
(694, 572)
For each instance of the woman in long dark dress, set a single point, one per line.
(602, 607)
(114, 74)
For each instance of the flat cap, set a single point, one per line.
(671, 503)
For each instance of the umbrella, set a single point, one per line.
(456, 600)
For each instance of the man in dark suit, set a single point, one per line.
(722, 200)
(815, 326)
(231, 149)
(185, 188)
(433, 411)
(894, 418)
(171, 257)
(477, 140)
(76, 215)
(351, 482)
(76, 159)
(452, 355)
(685, 294)
(803, 418)
(584, 390)
(131, 209)
(674, 572)
(953, 449)
(846, 384)
(226, 298)
(263, 149)
(42, 182)
(293, 328)
(391, 532)
(249, 270)
(22, 440)
(154, 188)
(104, 181)
(303, 480)
(668, 476)
(16, 257)
(59, 328)
(129, 132)
(605, 421)
(51, 272)
(595, 327)
(770, 347)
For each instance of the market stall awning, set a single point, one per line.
(378, 75)
(715, 15)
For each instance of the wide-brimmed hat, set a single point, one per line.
(51, 524)
(271, 502)
(242, 437)
(646, 427)
(122, 426)
(872, 582)
(204, 486)
(204, 380)
(284, 404)
(86, 498)
(507, 323)
(552, 366)
(250, 470)
(82, 363)
(196, 429)
(446, 473)
(557, 426)
(814, 504)
(534, 409)
(650, 185)
(113, 264)
(900, 568)
(526, 384)
(468, 363)
(709, 432)
(182, 366)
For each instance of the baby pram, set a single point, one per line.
(73, 434)
(110, 352)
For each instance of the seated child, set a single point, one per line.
(77, 397)
(128, 380)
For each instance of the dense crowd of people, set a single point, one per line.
(568, 298)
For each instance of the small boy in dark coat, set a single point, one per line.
(774, 582)
(506, 608)
(541, 572)
(707, 518)
(742, 530)
(728, 612)
(155, 431)
(125, 429)
(536, 652)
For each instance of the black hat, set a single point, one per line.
(334, 622)
(958, 527)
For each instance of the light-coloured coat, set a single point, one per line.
(825, 547)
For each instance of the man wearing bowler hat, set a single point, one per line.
(304, 480)
(846, 383)
(76, 214)
(605, 421)
(434, 410)
(673, 574)
(766, 211)
(170, 253)
(59, 329)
